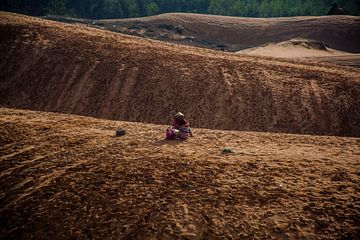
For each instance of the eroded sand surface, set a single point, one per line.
(64, 176)
(305, 50)
(52, 66)
(340, 33)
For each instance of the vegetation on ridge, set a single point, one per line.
(97, 9)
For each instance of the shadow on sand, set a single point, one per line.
(170, 142)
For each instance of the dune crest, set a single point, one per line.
(294, 48)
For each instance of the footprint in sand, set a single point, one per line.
(185, 224)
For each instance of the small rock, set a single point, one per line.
(227, 150)
(120, 132)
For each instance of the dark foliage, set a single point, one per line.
(96, 9)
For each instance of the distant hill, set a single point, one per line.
(74, 69)
(235, 33)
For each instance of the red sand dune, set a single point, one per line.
(294, 48)
(57, 67)
(305, 49)
(253, 36)
(238, 33)
(68, 177)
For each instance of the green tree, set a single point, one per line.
(113, 9)
(133, 8)
(56, 7)
(137, 8)
(152, 8)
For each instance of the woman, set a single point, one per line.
(179, 129)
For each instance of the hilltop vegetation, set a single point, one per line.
(96, 9)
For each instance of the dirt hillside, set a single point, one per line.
(252, 36)
(69, 177)
(52, 66)
(236, 33)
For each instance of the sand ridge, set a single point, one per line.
(66, 176)
(306, 50)
(295, 48)
(238, 33)
(73, 69)
(249, 35)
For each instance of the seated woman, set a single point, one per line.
(179, 129)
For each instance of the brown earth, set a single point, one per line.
(249, 35)
(73, 69)
(65, 177)
(236, 33)
(305, 49)
(350, 60)
(294, 48)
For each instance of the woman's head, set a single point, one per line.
(179, 116)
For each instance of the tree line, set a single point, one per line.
(100, 9)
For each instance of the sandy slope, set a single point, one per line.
(294, 48)
(350, 60)
(236, 33)
(57, 67)
(65, 176)
(305, 49)
(246, 34)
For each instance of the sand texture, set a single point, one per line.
(53, 66)
(341, 34)
(294, 48)
(306, 50)
(236, 33)
(65, 176)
